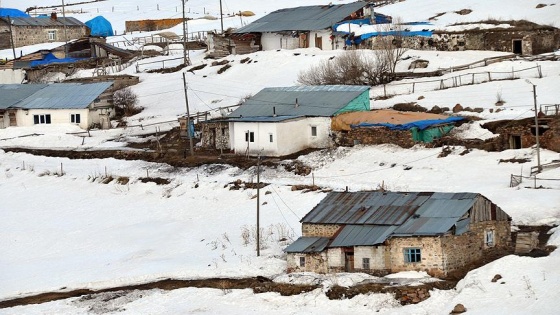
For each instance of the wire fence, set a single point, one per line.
(458, 80)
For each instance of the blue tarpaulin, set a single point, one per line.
(421, 124)
(12, 13)
(358, 39)
(99, 26)
(50, 58)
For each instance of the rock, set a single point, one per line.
(478, 109)
(496, 278)
(458, 309)
(457, 108)
(421, 97)
(418, 64)
(435, 110)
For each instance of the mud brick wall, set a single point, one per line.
(378, 135)
(151, 25)
(319, 230)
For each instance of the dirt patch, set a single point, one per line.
(514, 160)
(464, 12)
(157, 180)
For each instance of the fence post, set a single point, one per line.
(539, 70)
(472, 79)
(441, 84)
(413, 83)
(489, 77)
(385, 90)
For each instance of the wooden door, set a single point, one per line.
(349, 261)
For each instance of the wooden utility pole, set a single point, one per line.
(221, 17)
(188, 115)
(536, 125)
(258, 205)
(65, 32)
(184, 41)
(12, 37)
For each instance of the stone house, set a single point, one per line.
(518, 134)
(524, 39)
(279, 121)
(386, 232)
(404, 129)
(30, 31)
(215, 134)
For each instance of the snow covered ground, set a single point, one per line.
(74, 231)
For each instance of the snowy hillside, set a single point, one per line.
(69, 224)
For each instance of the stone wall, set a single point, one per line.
(215, 135)
(314, 262)
(372, 136)
(319, 230)
(551, 138)
(31, 35)
(431, 254)
(151, 25)
(5, 41)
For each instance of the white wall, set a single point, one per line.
(10, 76)
(335, 257)
(325, 40)
(288, 136)
(58, 116)
(273, 41)
(376, 255)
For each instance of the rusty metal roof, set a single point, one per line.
(46, 21)
(308, 245)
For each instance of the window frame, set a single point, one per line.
(314, 131)
(51, 35)
(366, 263)
(75, 118)
(270, 137)
(489, 238)
(302, 261)
(249, 136)
(42, 119)
(412, 255)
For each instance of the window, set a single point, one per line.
(302, 261)
(314, 131)
(97, 100)
(365, 263)
(75, 118)
(52, 35)
(412, 255)
(223, 131)
(42, 119)
(249, 136)
(271, 137)
(489, 239)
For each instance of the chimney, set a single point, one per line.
(53, 16)
(274, 111)
(297, 104)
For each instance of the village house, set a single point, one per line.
(291, 28)
(381, 126)
(26, 31)
(379, 232)
(86, 105)
(279, 121)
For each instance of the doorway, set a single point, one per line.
(515, 142)
(349, 260)
(517, 46)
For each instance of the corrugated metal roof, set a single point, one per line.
(263, 119)
(425, 226)
(366, 207)
(362, 235)
(323, 101)
(462, 226)
(307, 245)
(31, 21)
(64, 96)
(11, 94)
(308, 18)
(51, 96)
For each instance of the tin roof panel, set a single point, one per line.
(307, 245)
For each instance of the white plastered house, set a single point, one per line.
(85, 105)
(283, 120)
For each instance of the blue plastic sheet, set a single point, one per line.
(421, 124)
(100, 26)
(50, 58)
(12, 13)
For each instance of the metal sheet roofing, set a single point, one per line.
(263, 119)
(362, 235)
(366, 207)
(11, 94)
(53, 96)
(323, 101)
(31, 21)
(307, 245)
(425, 226)
(308, 18)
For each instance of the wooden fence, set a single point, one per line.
(458, 80)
